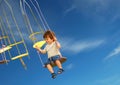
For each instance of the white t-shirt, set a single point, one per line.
(52, 50)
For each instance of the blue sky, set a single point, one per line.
(88, 31)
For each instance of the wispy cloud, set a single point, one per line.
(112, 80)
(73, 7)
(70, 66)
(115, 52)
(78, 46)
(86, 5)
(97, 9)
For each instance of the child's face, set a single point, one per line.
(48, 40)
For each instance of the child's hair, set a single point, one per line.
(50, 34)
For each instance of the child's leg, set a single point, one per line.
(58, 63)
(49, 67)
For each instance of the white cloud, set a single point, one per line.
(115, 52)
(78, 46)
(97, 9)
(112, 80)
(115, 17)
(73, 7)
(70, 66)
(85, 5)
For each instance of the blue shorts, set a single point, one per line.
(52, 59)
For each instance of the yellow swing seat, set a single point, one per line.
(5, 49)
(19, 56)
(39, 44)
(32, 36)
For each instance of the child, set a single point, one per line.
(52, 49)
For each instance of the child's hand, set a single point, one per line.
(58, 44)
(36, 47)
(55, 39)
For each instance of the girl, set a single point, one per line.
(52, 49)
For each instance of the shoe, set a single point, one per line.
(60, 71)
(53, 75)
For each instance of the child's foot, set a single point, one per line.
(60, 71)
(53, 75)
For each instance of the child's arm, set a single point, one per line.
(58, 44)
(40, 50)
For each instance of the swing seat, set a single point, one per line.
(62, 60)
(19, 56)
(32, 36)
(3, 37)
(20, 42)
(4, 61)
(5, 49)
(39, 44)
